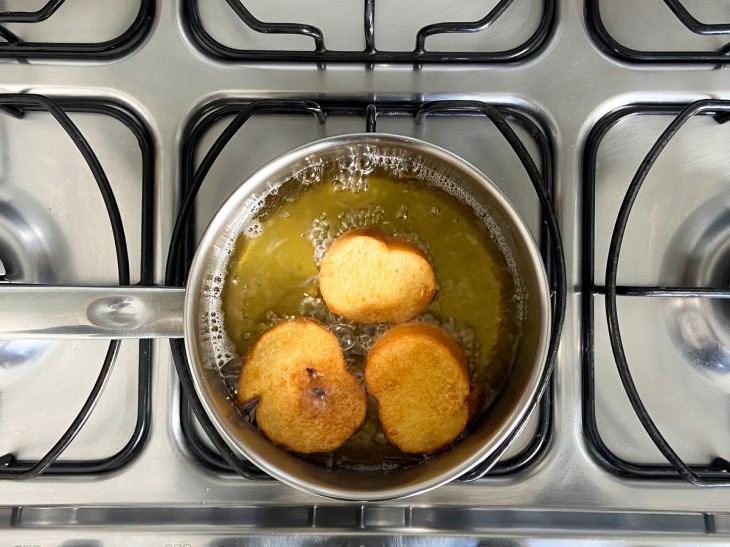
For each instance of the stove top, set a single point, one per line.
(589, 88)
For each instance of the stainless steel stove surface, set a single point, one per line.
(589, 87)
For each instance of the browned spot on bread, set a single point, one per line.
(308, 400)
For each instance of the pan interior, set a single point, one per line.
(214, 357)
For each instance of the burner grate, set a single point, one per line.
(371, 54)
(15, 47)
(714, 473)
(183, 240)
(17, 105)
(615, 48)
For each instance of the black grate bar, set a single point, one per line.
(370, 27)
(603, 38)
(16, 48)
(530, 453)
(78, 422)
(31, 16)
(10, 467)
(475, 26)
(200, 450)
(722, 117)
(667, 292)
(714, 474)
(371, 115)
(8, 36)
(693, 24)
(277, 28)
(180, 245)
(131, 447)
(12, 111)
(370, 54)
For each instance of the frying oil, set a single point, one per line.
(272, 276)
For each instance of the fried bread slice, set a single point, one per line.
(369, 277)
(308, 400)
(419, 375)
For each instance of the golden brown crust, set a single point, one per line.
(369, 277)
(308, 400)
(419, 376)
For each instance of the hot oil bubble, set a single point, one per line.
(394, 161)
(351, 171)
(363, 217)
(312, 173)
(314, 307)
(345, 335)
(253, 229)
(321, 233)
(355, 339)
(271, 319)
(320, 237)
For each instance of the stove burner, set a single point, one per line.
(699, 284)
(27, 238)
(700, 325)
(29, 244)
(14, 353)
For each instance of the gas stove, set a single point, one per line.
(109, 121)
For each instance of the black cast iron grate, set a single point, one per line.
(614, 48)
(17, 105)
(14, 47)
(716, 472)
(183, 241)
(321, 54)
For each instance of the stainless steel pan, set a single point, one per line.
(194, 312)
